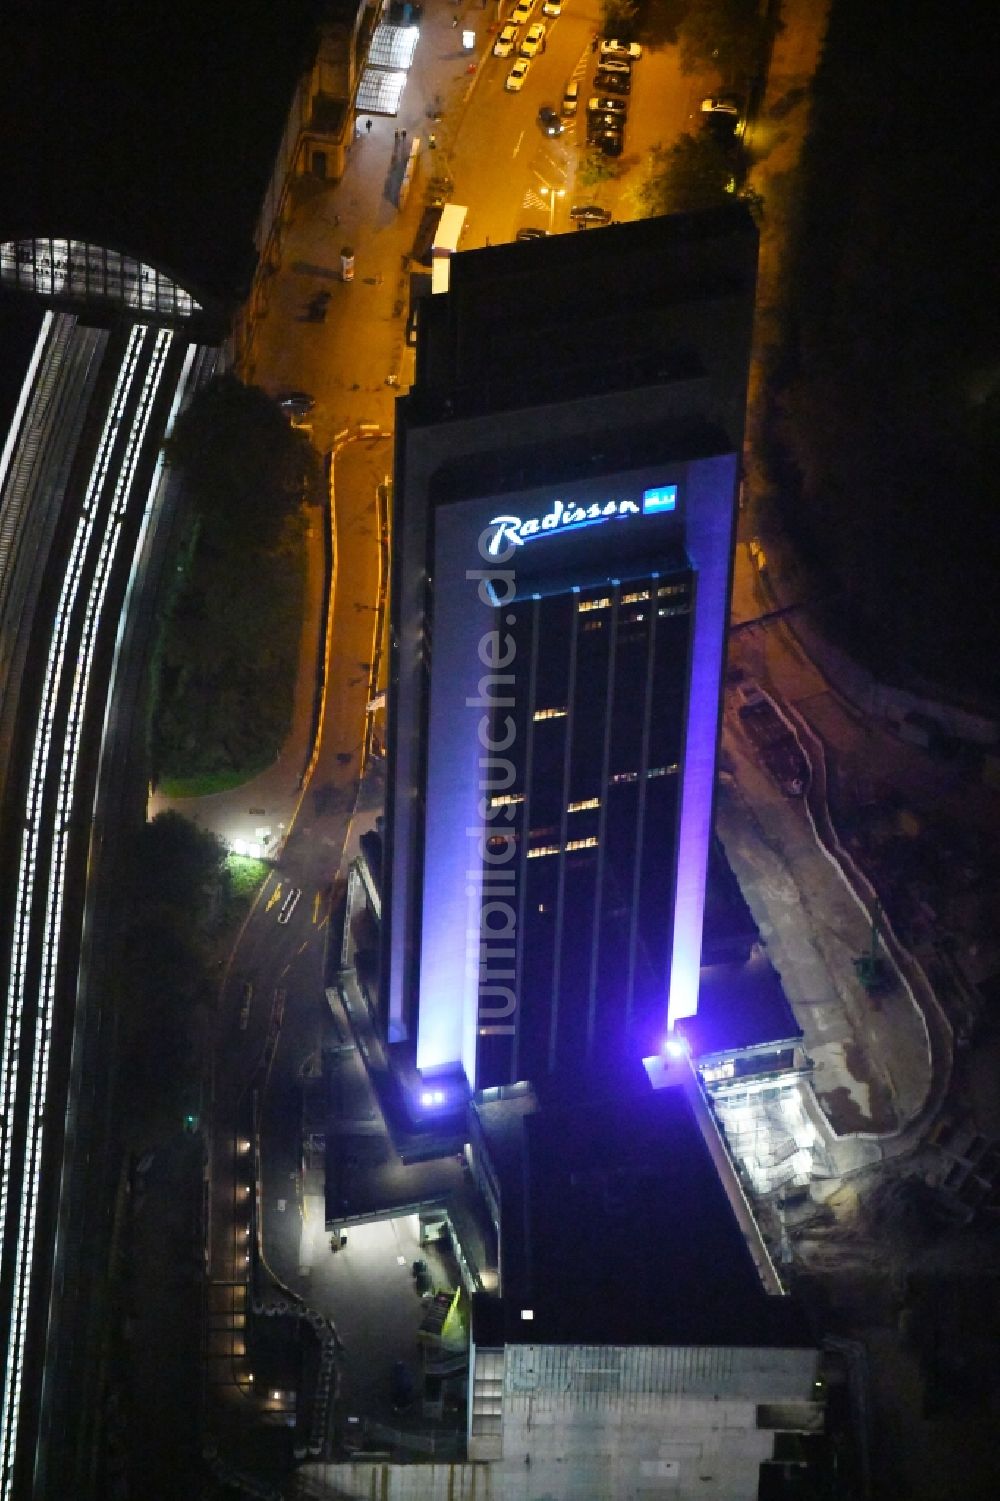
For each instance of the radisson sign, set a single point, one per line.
(514, 531)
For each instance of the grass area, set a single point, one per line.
(208, 782)
(245, 876)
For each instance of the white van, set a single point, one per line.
(569, 100)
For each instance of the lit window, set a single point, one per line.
(504, 799)
(583, 805)
(667, 590)
(604, 603)
(663, 771)
(636, 598)
(527, 1313)
(718, 1072)
(582, 844)
(543, 849)
(549, 714)
(624, 776)
(674, 610)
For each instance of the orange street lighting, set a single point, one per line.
(552, 194)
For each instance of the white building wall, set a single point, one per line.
(576, 1449)
(604, 1423)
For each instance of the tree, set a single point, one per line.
(618, 18)
(178, 865)
(695, 173)
(725, 34)
(245, 468)
(594, 168)
(228, 650)
(171, 913)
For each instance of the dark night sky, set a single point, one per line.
(147, 124)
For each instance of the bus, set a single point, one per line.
(450, 230)
(446, 241)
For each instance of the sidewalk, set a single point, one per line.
(344, 361)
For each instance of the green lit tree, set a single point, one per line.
(594, 169)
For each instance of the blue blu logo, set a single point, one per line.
(662, 498)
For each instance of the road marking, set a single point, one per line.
(301, 946)
(285, 970)
(317, 905)
(519, 140)
(274, 897)
(325, 921)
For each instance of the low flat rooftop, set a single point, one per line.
(616, 1229)
(740, 1006)
(741, 1001)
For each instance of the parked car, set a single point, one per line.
(602, 125)
(504, 44)
(552, 8)
(603, 105)
(549, 120)
(534, 40)
(590, 213)
(570, 100)
(722, 115)
(613, 83)
(517, 75)
(721, 104)
(530, 233)
(608, 142)
(617, 49)
(297, 403)
(522, 10)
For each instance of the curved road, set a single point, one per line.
(258, 1066)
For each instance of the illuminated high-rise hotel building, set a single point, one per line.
(566, 489)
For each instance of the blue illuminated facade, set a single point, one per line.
(560, 609)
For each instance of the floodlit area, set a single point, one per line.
(773, 1135)
(393, 1299)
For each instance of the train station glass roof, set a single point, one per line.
(77, 269)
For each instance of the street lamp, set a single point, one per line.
(552, 194)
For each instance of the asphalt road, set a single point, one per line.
(501, 130)
(264, 1061)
